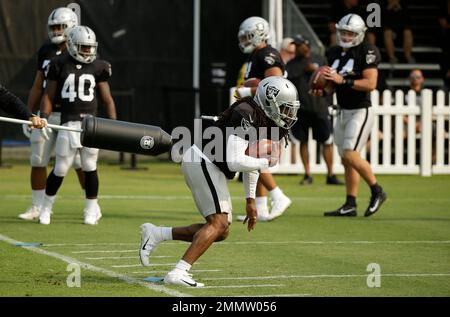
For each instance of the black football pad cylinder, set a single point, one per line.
(124, 136)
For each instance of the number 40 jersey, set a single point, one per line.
(77, 85)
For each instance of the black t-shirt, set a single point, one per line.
(44, 55)
(77, 85)
(351, 64)
(300, 78)
(261, 60)
(240, 116)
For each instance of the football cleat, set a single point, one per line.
(307, 180)
(149, 242)
(180, 277)
(344, 211)
(376, 200)
(92, 216)
(279, 206)
(31, 214)
(333, 180)
(45, 216)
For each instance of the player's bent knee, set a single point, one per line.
(224, 234)
(61, 167)
(37, 161)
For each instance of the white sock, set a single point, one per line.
(90, 203)
(37, 197)
(276, 193)
(48, 202)
(183, 266)
(166, 233)
(261, 206)
(261, 201)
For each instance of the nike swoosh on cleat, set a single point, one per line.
(143, 247)
(346, 211)
(372, 209)
(190, 284)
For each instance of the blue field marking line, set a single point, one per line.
(29, 244)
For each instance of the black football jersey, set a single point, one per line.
(261, 60)
(44, 55)
(351, 64)
(77, 85)
(240, 116)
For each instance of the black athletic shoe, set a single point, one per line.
(344, 211)
(333, 180)
(307, 180)
(376, 200)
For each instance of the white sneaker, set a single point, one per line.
(92, 216)
(279, 206)
(149, 241)
(180, 277)
(263, 215)
(31, 214)
(44, 216)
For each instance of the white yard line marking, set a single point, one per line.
(90, 267)
(140, 265)
(105, 251)
(241, 286)
(127, 257)
(326, 276)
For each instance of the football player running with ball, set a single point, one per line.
(354, 72)
(268, 115)
(264, 61)
(76, 76)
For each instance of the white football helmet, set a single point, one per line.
(252, 32)
(278, 97)
(82, 44)
(63, 17)
(352, 23)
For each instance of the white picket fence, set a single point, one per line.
(399, 146)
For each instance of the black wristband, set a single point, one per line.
(348, 83)
(44, 115)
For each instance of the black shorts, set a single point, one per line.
(320, 123)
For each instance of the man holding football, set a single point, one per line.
(354, 73)
(246, 124)
(264, 61)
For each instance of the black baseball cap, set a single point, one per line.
(300, 39)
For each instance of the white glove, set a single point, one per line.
(26, 130)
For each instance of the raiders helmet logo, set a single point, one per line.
(370, 58)
(147, 142)
(269, 60)
(271, 92)
(245, 124)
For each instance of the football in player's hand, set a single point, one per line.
(252, 82)
(319, 82)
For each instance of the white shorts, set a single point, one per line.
(42, 149)
(68, 146)
(352, 129)
(207, 183)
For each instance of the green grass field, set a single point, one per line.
(300, 254)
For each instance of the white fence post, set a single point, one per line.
(426, 139)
